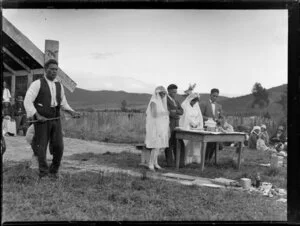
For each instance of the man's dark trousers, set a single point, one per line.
(170, 152)
(210, 150)
(45, 132)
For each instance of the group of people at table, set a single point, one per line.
(164, 113)
(45, 99)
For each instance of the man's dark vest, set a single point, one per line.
(42, 102)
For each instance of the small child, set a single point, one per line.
(29, 134)
(260, 144)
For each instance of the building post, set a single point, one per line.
(51, 50)
(13, 88)
(30, 78)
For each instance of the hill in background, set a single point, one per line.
(100, 100)
(105, 99)
(242, 104)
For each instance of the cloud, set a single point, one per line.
(91, 81)
(102, 55)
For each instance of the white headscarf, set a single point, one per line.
(263, 126)
(161, 103)
(191, 113)
(256, 128)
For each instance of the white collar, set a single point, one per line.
(211, 102)
(171, 97)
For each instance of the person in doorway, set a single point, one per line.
(43, 101)
(6, 97)
(157, 126)
(8, 123)
(20, 115)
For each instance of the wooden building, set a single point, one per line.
(23, 61)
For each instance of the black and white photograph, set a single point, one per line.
(144, 115)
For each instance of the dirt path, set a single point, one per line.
(18, 149)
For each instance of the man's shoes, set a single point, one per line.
(55, 176)
(43, 177)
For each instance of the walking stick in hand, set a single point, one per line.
(48, 119)
(74, 114)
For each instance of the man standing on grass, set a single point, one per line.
(176, 111)
(211, 109)
(43, 101)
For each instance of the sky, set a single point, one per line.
(137, 50)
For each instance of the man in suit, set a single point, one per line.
(176, 111)
(211, 109)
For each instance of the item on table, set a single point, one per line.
(210, 125)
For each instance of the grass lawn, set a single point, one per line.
(225, 167)
(95, 196)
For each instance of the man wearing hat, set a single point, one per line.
(20, 115)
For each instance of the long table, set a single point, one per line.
(206, 136)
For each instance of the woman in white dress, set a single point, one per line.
(191, 119)
(157, 125)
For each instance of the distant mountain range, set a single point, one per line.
(105, 99)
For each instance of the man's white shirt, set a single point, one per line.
(33, 91)
(174, 102)
(213, 105)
